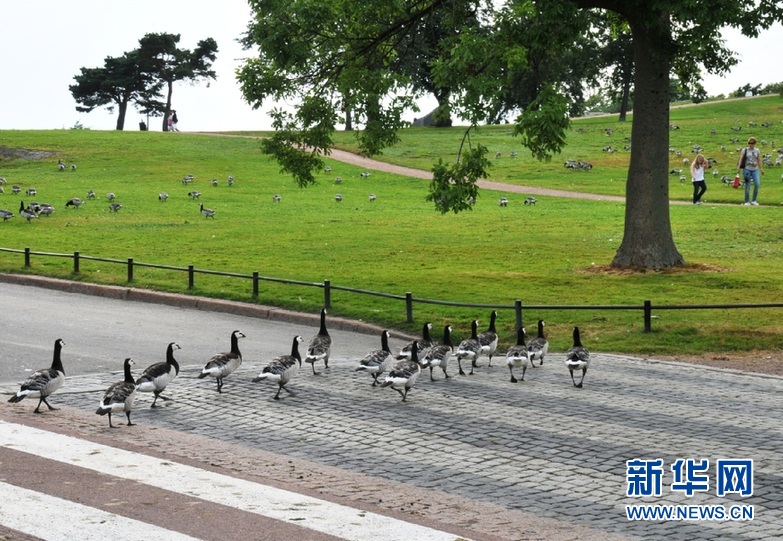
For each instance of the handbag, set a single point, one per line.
(736, 181)
(744, 158)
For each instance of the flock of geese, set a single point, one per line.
(401, 369)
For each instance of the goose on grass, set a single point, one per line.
(377, 361)
(280, 369)
(208, 213)
(119, 396)
(518, 356)
(320, 345)
(469, 349)
(43, 382)
(157, 376)
(538, 346)
(577, 358)
(223, 364)
(74, 202)
(27, 212)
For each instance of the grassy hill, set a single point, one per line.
(551, 254)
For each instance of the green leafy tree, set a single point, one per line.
(118, 83)
(343, 45)
(164, 64)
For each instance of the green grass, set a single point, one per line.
(544, 255)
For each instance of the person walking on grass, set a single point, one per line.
(752, 168)
(698, 167)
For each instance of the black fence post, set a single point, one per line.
(409, 307)
(255, 284)
(647, 316)
(327, 294)
(130, 269)
(191, 276)
(518, 312)
(76, 262)
(27, 257)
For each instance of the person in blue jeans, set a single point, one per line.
(752, 169)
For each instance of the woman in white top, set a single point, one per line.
(698, 167)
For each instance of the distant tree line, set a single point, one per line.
(143, 77)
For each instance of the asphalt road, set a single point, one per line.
(100, 332)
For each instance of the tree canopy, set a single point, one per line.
(518, 55)
(139, 76)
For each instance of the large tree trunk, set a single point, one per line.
(648, 241)
(121, 111)
(167, 112)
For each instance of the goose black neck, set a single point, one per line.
(57, 362)
(521, 336)
(323, 330)
(170, 357)
(385, 342)
(235, 342)
(295, 350)
(128, 375)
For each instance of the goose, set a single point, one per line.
(162, 196)
(114, 207)
(157, 376)
(46, 209)
(404, 374)
(377, 361)
(214, 182)
(320, 345)
(469, 349)
(195, 194)
(31, 191)
(530, 200)
(328, 169)
(538, 346)
(440, 355)
(111, 196)
(577, 357)
(424, 344)
(120, 396)
(73, 167)
(75, 203)
(91, 194)
(16, 189)
(489, 339)
(338, 197)
(208, 213)
(364, 174)
(230, 180)
(60, 165)
(503, 201)
(373, 197)
(26, 212)
(280, 369)
(276, 198)
(43, 382)
(338, 180)
(6, 214)
(518, 356)
(223, 364)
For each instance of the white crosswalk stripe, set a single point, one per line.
(308, 512)
(23, 509)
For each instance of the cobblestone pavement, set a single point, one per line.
(539, 448)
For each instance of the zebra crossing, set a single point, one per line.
(300, 516)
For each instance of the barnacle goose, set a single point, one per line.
(120, 396)
(43, 382)
(156, 377)
(280, 369)
(223, 364)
